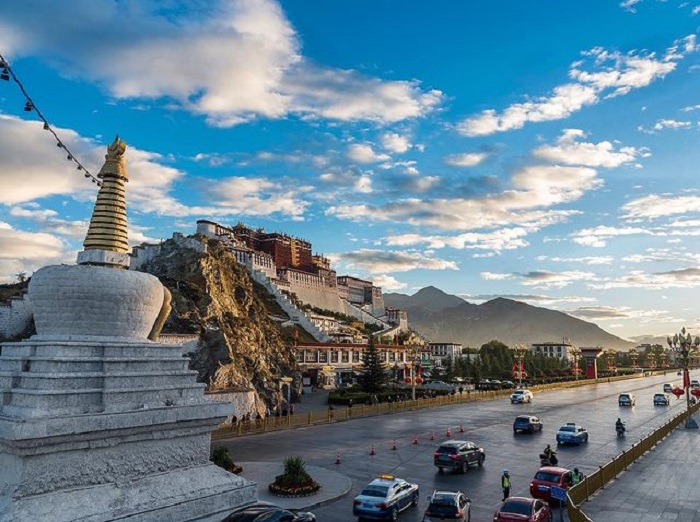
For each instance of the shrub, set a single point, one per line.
(294, 479)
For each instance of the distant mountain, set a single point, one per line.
(649, 339)
(443, 317)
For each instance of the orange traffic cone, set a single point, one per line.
(415, 440)
(393, 446)
(337, 458)
(371, 450)
(432, 435)
(461, 428)
(448, 433)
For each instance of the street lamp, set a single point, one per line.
(413, 356)
(519, 351)
(575, 353)
(683, 345)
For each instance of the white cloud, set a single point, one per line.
(395, 142)
(388, 283)
(497, 240)
(655, 206)
(229, 61)
(364, 153)
(492, 276)
(682, 278)
(629, 5)
(570, 151)
(543, 278)
(596, 237)
(467, 159)
(381, 261)
(22, 251)
(613, 74)
(665, 124)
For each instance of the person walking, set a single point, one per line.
(505, 484)
(576, 476)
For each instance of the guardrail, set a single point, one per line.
(597, 480)
(344, 413)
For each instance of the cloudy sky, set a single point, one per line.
(487, 148)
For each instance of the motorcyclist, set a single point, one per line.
(550, 455)
(619, 425)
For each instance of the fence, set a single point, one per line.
(343, 413)
(597, 480)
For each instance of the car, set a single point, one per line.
(523, 509)
(458, 455)
(661, 399)
(548, 476)
(695, 383)
(507, 385)
(520, 396)
(527, 423)
(626, 399)
(668, 387)
(572, 433)
(264, 511)
(448, 505)
(384, 498)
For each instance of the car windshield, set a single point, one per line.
(547, 476)
(519, 392)
(514, 506)
(439, 509)
(570, 429)
(624, 396)
(522, 420)
(660, 396)
(375, 491)
(447, 449)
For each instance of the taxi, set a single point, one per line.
(384, 498)
(572, 433)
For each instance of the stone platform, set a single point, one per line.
(99, 431)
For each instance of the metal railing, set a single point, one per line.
(344, 413)
(597, 480)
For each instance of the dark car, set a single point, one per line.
(548, 476)
(264, 511)
(521, 509)
(458, 455)
(527, 423)
(448, 505)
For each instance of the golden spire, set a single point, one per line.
(108, 225)
(107, 242)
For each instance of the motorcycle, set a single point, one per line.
(551, 461)
(620, 429)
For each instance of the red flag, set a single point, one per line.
(522, 363)
(515, 366)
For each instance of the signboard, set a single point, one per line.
(558, 493)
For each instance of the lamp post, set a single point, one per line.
(519, 351)
(413, 354)
(575, 353)
(683, 345)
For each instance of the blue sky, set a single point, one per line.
(509, 148)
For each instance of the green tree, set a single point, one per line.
(448, 369)
(373, 376)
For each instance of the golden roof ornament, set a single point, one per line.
(107, 242)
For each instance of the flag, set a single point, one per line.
(522, 366)
(515, 367)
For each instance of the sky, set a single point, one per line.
(487, 148)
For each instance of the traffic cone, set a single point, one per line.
(337, 458)
(448, 433)
(415, 440)
(393, 446)
(461, 428)
(432, 435)
(371, 450)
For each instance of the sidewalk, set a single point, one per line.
(662, 485)
(333, 484)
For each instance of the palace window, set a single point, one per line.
(356, 357)
(312, 356)
(345, 356)
(300, 356)
(334, 356)
(392, 356)
(323, 356)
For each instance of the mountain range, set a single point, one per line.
(442, 317)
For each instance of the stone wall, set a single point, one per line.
(244, 401)
(15, 316)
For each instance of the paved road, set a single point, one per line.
(489, 424)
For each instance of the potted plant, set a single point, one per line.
(222, 458)
(294, 480)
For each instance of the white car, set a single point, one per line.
(695, 384)
(521, 396)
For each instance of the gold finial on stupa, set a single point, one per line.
(108, 225)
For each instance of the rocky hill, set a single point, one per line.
(448, 318)
(242, 341)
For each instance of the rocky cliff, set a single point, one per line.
(241, 341)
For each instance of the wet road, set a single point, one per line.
(488, 424)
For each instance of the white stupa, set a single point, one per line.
(97, 422)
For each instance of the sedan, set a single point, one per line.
(661, 399)
(520, 396)
(448, 505)
(572, 433)
(527, 423)
(264, 511)
(521, 509)
(384, 498)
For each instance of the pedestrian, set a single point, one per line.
(291, 409)
(461, 390)
(576, 476)
(505, 484)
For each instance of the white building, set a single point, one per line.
(560, 350)
(440, 351)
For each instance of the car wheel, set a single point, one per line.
(395, 514)
(586, 439)
(465, 467)
(481, 461)
(515, 431)
(531, 429)
(414, 502)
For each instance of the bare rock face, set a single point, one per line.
(214, 296)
